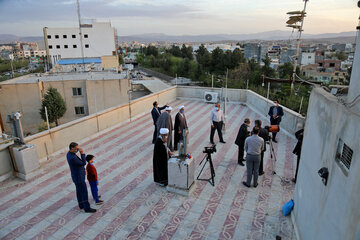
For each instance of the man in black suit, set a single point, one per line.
(275, 112)
(264, 134)
(155, 113)
(240, 139)
(297, 150)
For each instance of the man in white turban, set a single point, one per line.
(160, 158)
(165, 121)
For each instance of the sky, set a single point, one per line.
(178, 17)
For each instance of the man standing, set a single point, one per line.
(275, 112)
(216, 121)
(297, 150)
(155, 113)
(160, 158)
(253, 147)
(240, 139)
(77, 169)
(165, 121)
(264, 134)
(180, 125)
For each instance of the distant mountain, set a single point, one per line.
(158, 37)
(270, 35)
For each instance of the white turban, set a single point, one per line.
(168, 108)
(181, 107)
(164, 131)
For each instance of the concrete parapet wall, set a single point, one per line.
(5, 161)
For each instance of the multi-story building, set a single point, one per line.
(307, 58)
(256, 51)
(84, 94)
(98, 39)
(287, 55)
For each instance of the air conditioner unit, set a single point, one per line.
(211, 97)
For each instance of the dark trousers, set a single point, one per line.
(218, 127)
(94, 190)
(155, 134)
(241, 153)
(252, 168)
(82, 195)
(261, 168)
(297, 166)
(274, 122)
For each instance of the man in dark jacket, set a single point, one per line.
(297, 150)
(264, 134)
(77, 170)
(275, 112)
(160, 158)
(179, 126)
(155, 113)
(240, 140)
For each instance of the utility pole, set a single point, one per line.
(298, 47)
(80, 33)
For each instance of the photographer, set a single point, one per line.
(264, 134)
(275, 112)
(240, 139)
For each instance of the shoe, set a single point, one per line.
(212, 142)
(255, 185)
(293, 180)
(274, 141)
(241, 163)
(246, 184)
(261, 173)
(222, 141)
(90, 210)
(99, 202)
(99, 196)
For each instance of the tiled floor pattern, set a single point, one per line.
(135, 208)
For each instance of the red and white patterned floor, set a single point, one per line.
(135, 208)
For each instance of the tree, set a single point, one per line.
(175, 51)
(217, 61)
(55, 105)
(266, 69)
(187, 52)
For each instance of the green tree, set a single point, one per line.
(175, 51)
(266, 69)
(187, 52)
(55, 105)
(121, 60)
(285, 70)
(217, 61)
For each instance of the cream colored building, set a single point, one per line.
(84, 94)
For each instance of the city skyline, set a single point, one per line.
(28, 17)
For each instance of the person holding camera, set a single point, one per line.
(275, 112)
(297, 150)
(254, 145)
(160, 158)
(240, 139)
(216, 121)
(77, 170)
(264, 134)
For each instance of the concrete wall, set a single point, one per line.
(5, 160)
(109, 62)
(332, 211)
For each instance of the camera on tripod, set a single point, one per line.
(272, 128)
(210, 150)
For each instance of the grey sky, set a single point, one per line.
(177, 17)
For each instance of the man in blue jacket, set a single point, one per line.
(275, 112)
(155, 113)
(77, 170)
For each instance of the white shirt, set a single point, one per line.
(216, 116)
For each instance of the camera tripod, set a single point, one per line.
(272, 152)
(212, 170)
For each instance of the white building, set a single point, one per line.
(307, 58)
(99, 39)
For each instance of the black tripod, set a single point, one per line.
(212, 170)
(272, 152)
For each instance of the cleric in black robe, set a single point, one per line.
(180, 125)
(160, 158)
(165, 121)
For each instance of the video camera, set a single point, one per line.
(272, 128)
(210, 150)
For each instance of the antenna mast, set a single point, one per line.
(80, 33)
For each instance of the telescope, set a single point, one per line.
(272, 128)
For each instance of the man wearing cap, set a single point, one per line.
(216, 121)
(165, 121)
(160, 158)
(180, 125)
(155, 113)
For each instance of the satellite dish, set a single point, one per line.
(296, 12)
(294, 26)
(295, 19)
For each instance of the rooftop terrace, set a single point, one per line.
(135, 208)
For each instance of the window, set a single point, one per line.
(56, 36)
(50, 46)
(332, 64)
(77, 92)
(64, 36)
(73, 36)
(49, 36)
(344, 156)
(74, 46)
(86, 45)
(79, 110)
(86, 36)
(57, 46)
(309, 57)
(66, 46)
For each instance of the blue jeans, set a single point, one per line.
(94, 190)
(82, 195)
